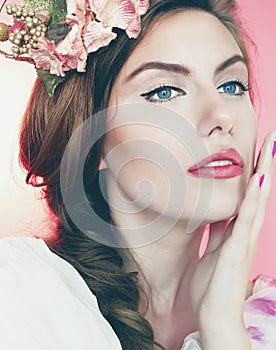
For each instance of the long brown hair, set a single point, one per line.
(46, 129)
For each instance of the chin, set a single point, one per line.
(220, 214)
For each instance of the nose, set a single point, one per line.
(216, 116)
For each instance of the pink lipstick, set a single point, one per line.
(222, 165)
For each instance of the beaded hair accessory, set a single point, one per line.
(57, 36)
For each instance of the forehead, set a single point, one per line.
(191, 37)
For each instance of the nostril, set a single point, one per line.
(217, 127)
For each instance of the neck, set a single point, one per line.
(166, 267)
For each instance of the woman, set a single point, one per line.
(135, 280)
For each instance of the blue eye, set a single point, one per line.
(163, 94)
(229, 88)
(236, 88)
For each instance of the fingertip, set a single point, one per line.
(271, 136)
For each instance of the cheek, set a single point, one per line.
(247, 122)
(144, 183)
(247, 129)
(151, 173)
(142, 165)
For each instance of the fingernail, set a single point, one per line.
(274, 149)
(261, 180)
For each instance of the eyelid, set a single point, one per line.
(162, 86)
(243, 84)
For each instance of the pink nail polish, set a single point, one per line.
(261, 180)
(274, 149)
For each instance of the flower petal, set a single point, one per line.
(117, 13)
(17, 25)
(56, 67)
(77, 12)
(72, 20)
(141, 6)
(69, 62)
(45, 44)
(97, 6)
(97, 36)
(133, 29)
(45, 61)
(41, 58)
(73, 6)
(72, 51)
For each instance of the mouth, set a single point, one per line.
(222, 165)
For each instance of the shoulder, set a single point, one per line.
(45, 303)
(260, 313)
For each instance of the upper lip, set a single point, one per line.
(227, 154)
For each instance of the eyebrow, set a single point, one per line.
(180, 69)
(229, 62)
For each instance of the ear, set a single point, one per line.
(102, 165)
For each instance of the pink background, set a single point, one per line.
(22, 212)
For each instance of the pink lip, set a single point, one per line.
(219, 172)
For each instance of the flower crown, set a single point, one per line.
(57, 36)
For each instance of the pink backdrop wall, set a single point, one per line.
(260, 19)
(22, 211)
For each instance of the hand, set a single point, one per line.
(219, 284)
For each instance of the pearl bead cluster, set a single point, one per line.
(29, 29)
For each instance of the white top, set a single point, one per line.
(46, 305)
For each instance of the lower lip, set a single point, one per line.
(218, 172)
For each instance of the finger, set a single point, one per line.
(265, 153)
(230, 226)
(242, 227)
(265, 166)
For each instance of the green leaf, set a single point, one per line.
(39, 4)
(51, 81)
(59, 11)
(57, 8)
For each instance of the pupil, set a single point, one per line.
(165, 93)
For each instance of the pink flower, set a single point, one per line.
(17, 25)
(134, 26)
(92, 22)
(109, 14)
(72, 51)
(97, 36)
(46, 57)
(78, 13)
(116, 13)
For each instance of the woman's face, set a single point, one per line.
(190, 69)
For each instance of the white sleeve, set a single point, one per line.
(45, 304)
(192, 342)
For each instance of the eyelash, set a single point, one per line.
(243, 85)
(148, 95)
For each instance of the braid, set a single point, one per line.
(117, 292)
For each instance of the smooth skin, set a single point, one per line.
(187, 293)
